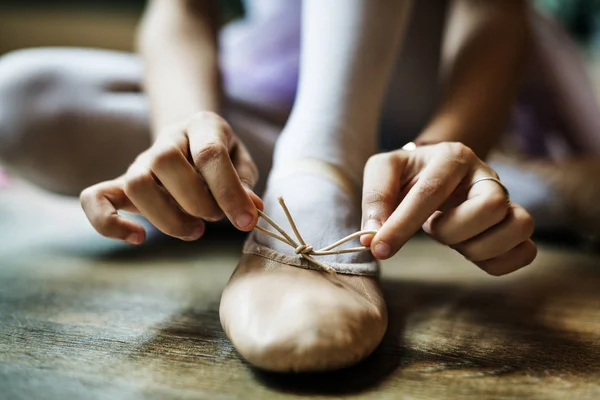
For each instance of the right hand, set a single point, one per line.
(196, 170)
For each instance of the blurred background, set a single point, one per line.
(111, 24)
(108, 24)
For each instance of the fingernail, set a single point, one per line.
(372, 225)
(243, 220)
(196, 233)
(133, 238)
(382, 250)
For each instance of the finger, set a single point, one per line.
(381, 189)
(435, 184)
(258, 203)
(210, 137)
(247, 171)
(101, 203)
(181, 180)
(244, 165)
(514, 259)
(486, 205)
(144, 192)
(517, 227)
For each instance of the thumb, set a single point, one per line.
(381, 191)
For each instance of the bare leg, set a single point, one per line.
(559, 185)
(70, 118)
(559, 75)
(560, 194)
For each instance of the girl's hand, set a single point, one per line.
(197, 170)
(430, 187)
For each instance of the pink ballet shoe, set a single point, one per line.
(287, 313)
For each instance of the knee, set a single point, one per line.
(33, 101)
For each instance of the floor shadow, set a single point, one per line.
(529, 344)
(196, 333)
(525, 341)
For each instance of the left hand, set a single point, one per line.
(430, 188)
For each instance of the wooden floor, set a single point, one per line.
(84, 318)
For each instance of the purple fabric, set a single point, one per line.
(260, 54)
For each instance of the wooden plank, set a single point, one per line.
(81, 317)
(114, 30)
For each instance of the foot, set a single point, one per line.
(325, 207)
(283, 317)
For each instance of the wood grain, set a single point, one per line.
(85, 318)
(113, 30)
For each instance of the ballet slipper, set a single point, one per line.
(292, 313)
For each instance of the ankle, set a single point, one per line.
(318, 168)
(335, 146)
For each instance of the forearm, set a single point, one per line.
(348, 51)
(483, 56)
(177, 42)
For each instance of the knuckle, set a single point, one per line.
(376, 201)
(377, 159)
(375, 197)
(214, 120)
(209, 153)
(88, 199)
(459, 152)
(496, 204)
(86, 196)
(165, 156)
(525, 223)
(428, 186)
(136, 179)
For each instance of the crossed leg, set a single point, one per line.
(70, 118)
